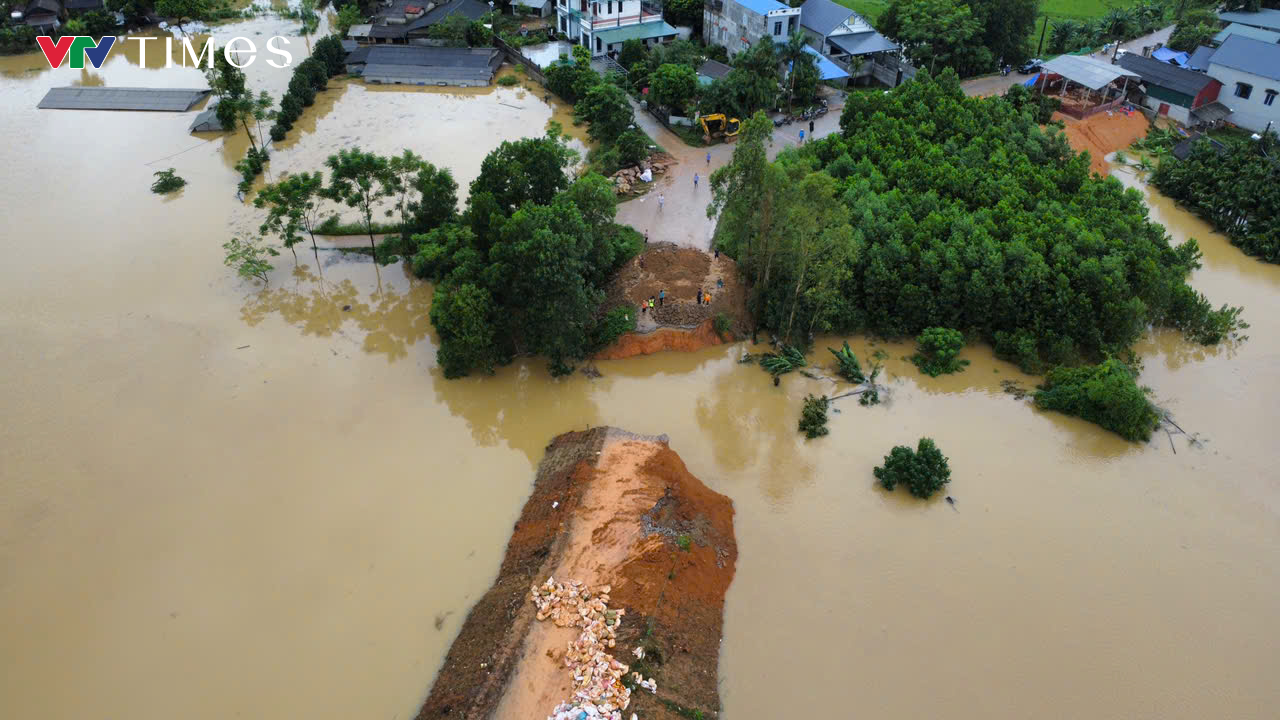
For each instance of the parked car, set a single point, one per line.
(1031, 66)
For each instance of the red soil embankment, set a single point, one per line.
(1103, 134)
(661, 340)
(608, 508)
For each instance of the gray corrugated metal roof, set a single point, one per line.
(863, 43)
(1165, 75)
(206, 120)
(1269, 19)
(1252, 56)
(119, 98)
(1200, 58)
(1270, 36)
(713, 69)
(1093, 74)
(418, 75)
(823, 16)
(429, 56)
(470, 9)
(387, 31)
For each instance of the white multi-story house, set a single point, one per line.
(1249, 71)
(603, 25)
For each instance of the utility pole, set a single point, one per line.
(1044, 27)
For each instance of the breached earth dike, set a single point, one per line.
(608, 508)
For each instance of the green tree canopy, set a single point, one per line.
(673, 86)
(937, 34)
(963, 213)
(524, 274)
(360, 180)
(528, 170)
(347, 16)
(606, 108)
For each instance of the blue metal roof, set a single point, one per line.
(827, 70)
(762, 7)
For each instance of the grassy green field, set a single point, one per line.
(1078, 9)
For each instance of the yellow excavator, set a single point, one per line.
(719, 126)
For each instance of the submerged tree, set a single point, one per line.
(924, 470)
(248, 257)
(167, 181)
(294, 208)
(360, 180)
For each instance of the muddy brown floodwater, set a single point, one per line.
(218, 500)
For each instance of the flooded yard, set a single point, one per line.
(221, 500)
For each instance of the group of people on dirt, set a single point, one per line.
(702, 298)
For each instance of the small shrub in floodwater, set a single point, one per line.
(813, 417)
(685, 542)
(167, 181)
(508, 80)
(924, 470)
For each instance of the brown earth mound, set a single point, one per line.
(661, 340)
(1103, 134)
(679, 323)
(608, 508)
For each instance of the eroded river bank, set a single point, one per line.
(297, 528)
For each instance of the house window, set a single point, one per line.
(599, 47)
(777, 28)
(564, 24)
(1244, 90)
(610, 7)
(1270, 98)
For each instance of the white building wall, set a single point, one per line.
(1176, 112)
(1251, 113)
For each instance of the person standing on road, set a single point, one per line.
(810, 128)
(662, 297)
(699, 297)
(662, 200)
(708, 157)
(646, 237)
(801, 137)
(695, 181)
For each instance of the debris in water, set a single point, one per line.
(555, 504)
(346, 308)
(242, 347)
(597, 675)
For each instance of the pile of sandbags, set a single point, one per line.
(599, 692)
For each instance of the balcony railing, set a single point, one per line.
(596, 22)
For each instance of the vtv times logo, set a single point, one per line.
(74, 49)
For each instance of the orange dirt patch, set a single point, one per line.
(661, 340)
(1103, 134)
(629, 514)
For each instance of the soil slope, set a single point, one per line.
(626, 513)
(1103, 134)
(680, 323)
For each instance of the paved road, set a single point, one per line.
(996, 84)
(682, 218)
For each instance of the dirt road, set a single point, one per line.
(681, 217)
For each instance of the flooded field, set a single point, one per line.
(219, 500)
